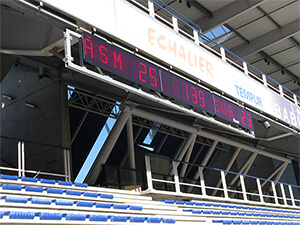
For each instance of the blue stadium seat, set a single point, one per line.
(47, 181)
(199, 203)
(103, 205)
(64, 202)
(137, 219)
(120, 206)
(216, 212)
(180, 202)
(227, 221)
(251, 208)
(190, 203)
(236, 222)
(217, 221)
(233, 213)
(253, 222)
(66, 183)
(84, 204)
(224, 206)
(262, 222)
(134, 207)
(34, 189)
(119, 218)
(208, 204)
(50, 216)
(241, 213)
(245, 207)
(1, 214)
(54, 191)
(249, 214)
(231, 206)
(29, 179)
(71, 216)
(80, 184)
(77, 193)
(21, 215)
(154, 220)
(98, 218)
(262, 215)
(245, 222)
(11, 187)
(169, 201)
(197, 211)
(225, 212)
(8, 177)
(106, 196)
(44, 201)
(270, 223)
(90, 194)
(169, 221)
(216, 205)
(240, 207)
(207, 211)
(15, 199)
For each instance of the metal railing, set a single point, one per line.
(21, 170)
(204, 183)
(186, 27)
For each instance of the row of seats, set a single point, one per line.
(218, 205)
(255, 222)
(42, 180)
(233, 213)
(55, 191)
(47, 201)
(82, 217)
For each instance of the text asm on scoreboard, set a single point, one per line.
(122, 63)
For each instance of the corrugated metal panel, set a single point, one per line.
(214, 5)
(287, 14)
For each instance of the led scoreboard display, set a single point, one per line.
(118, 61)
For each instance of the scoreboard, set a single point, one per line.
(136, 69)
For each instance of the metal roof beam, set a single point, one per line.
(268, 39)
(227, 13)
(201, 8)
(278, 65)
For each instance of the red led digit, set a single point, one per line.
(201, 97)
(249, 120)
(153, 80)
(216, 105)
(90, 47)
(176, 87)
(102, 49)
(117, 59)
(143, 72)
(194, 94)
(230, 111)
(185, 91)
(243, 117)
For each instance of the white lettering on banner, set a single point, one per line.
(248, 96)
(179, 51)
(287, 115)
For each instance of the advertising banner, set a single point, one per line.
(131, 25)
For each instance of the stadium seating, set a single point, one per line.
(40, 200)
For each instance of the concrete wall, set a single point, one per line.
(47, 124)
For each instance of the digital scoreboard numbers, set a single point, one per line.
(187, 92)
(116, 60)
(122, 63)
(232, 112)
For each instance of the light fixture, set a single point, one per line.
(7, 97)
(180, 1)
(266, 124)
(282, 72)
(30, 105)
(188, 4)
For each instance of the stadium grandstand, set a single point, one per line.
(150, 112)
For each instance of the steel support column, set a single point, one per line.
(108, 145)
(130, 143)
(188, 155)
(228, 167)
(279, 168)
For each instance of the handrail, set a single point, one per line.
(283, 195)
(33, 142)
(218, 169)
(295, 101)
